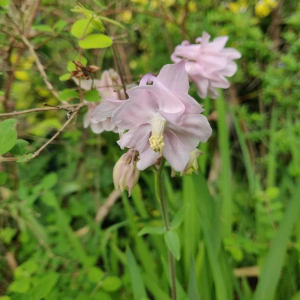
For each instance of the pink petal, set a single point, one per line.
(195, 128)
(147, 158)
(175, 77)
(105, 109)
(175, 152)
(135, 111)
(97, 127)
(135, 138)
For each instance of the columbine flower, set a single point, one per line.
(192, 165)
(126, 174)
(208, 63)
(109, 86)
(162, 119)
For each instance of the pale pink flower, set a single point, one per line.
(208, 63)
(162, 119)
(109, 87)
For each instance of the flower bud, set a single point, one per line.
(192, 165)
(126, 174)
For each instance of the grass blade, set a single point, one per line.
(274, 262)
(137, 283)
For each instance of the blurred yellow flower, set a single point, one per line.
(133, 64)
(155, 3)
(43, 92)
(142, 2)
(264, 8)
(126, 16)
(192, 6)
(22, 75)
(238, 7)
(168, 2)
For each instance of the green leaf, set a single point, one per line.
(49, 199)
(5, 3)
(25, 158)
(111, 21)
(179, 216)
(111, 284)
(92, 96)
(60, 25)
(67, 95)
(64, 77)
(8, 136)
(173, 243)
(137, 283)
(95, 275)
(45, 286)
(151, 230)
(100, 295)
(49, 181)
(42, 28)
(95, 41)
(96, 22)
(19, 148)
(81, 27)
(71, 66)
(193, 291)
(7, 234)
(3, 178)
(20, 286)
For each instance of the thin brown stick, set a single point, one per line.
(119, 68)
(15, 113)
(40, 66)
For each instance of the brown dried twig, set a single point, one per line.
(15, 113)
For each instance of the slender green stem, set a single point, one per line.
(159, 192)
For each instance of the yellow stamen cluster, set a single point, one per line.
(156, 143)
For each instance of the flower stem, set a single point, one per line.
(159, 192)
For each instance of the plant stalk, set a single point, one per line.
(159, 192)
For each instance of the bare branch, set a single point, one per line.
(40, 66)
(15, 113)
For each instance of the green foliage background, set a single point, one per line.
(240, 236)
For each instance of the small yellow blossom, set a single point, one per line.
(22, 75)
(126, 16)
(264, 8)
(192, 6)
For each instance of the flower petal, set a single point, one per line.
(175, 77)
(175, 152)
(147, 158)
(105, 109)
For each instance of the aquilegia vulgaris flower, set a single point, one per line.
(108, 86)
(162, 119)
(208, 63)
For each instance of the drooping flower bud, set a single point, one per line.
(126, 174)
(192, 165)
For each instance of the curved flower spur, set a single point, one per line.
(162, 119)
